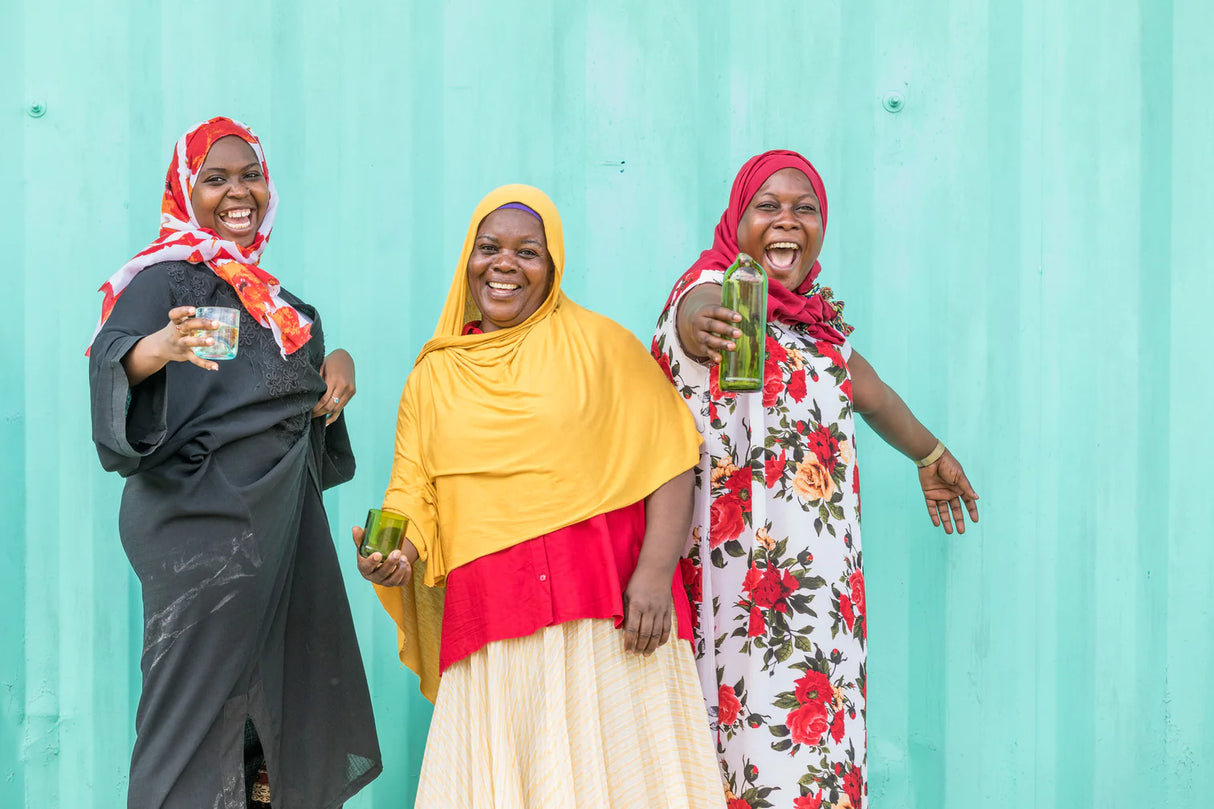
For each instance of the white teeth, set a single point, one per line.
(784, 245)
(499, 285)
(241, 214)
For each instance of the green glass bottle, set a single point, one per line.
(744, 290)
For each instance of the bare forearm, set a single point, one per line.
(899, 428)
(667, 520)
(884, 411)
(143, 360)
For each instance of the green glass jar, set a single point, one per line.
(744, 290)
(383, 533)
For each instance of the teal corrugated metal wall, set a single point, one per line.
(1023, 247)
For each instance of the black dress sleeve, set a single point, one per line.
(129, 422)
(333, 461)
(337, 461)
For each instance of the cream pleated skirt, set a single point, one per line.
(566, 719)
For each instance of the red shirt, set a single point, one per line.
(576, 572)
(572, 573)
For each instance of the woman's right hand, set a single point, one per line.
(706, 328)
(173, 343)
(394, 571)
(177, 340)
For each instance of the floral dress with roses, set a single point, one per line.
(774, 570)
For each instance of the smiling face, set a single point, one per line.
(782, 227)
(231, 192)
(510, 270)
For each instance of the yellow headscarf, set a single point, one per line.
(505, 436)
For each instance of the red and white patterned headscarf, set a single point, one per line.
(182, 239)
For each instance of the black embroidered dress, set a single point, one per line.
(245, 612)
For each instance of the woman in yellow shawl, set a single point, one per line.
(545, 465)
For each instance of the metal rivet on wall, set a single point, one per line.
(36, 109)
(893, 102)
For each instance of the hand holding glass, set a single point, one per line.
(226, 335)
(383, 532)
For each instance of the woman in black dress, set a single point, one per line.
(249, 656)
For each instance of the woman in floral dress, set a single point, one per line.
(774, 566)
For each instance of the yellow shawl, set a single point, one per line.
(505, 436)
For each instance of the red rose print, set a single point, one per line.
(664, 364)
(737, 482)
(855, 487)
(836, 727)
(727, 524)
(814, 686)
(775, 351)
(757, 625)
(775, 468)
(829, 351)
(752, 579)
(853, 784)
(857, 591)
(738, 803)
(788, 584)
(773, 384)
(712, 412)
(714, 385)
(846, 388)
(796, 385)
(691, 583)
(808, 724)
(769, 587)
(727, 706)
(691, 576)
(825, 446)
(808, 801)
(845, 610)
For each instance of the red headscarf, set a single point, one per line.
(809, 304)
(182, 239)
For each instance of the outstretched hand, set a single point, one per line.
(945, 487)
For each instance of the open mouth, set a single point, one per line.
(237, 219)
(502, 289)
(782, 256)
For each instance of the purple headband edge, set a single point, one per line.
(518, 206)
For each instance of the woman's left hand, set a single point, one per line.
(338, 372)
(647, 611)
(945, 486)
